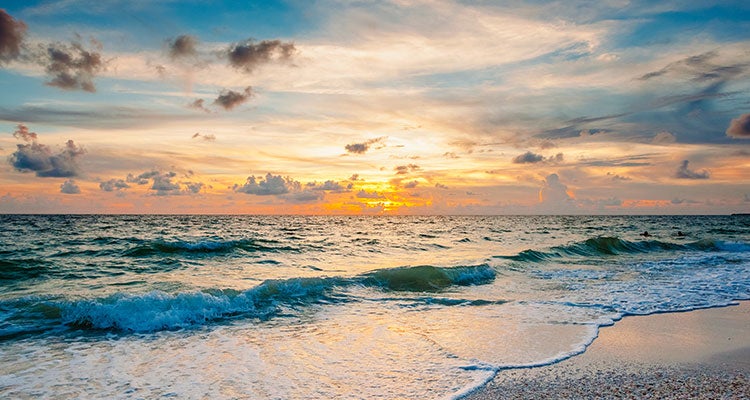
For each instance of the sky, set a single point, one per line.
(375, 107)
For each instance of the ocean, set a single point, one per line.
(315, 307)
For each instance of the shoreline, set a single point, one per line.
(702, 353)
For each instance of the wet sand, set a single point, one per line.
(703, 354)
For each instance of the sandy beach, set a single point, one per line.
(703, 354)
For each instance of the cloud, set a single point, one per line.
(199, 104)
(441, 186)
(363, 194)
(532, 158)
(248, 55)
(329, 185)
(664, 138)
(450, 154)
(23, 133)
(113, 185)
(143, 178)
(39, 158)
(162, 183)
(740, 127)
(411, 185)
(270, 185)
(554, 192)
(405, 169)
(699, 68)
(12, 33)
(229, 99)
(206, 137)
(683, 172)
(528, 158)
(183, 46)
(361, 148)
(70, 187)
(71, 66)
(194, 187)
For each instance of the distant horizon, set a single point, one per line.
(396, 107)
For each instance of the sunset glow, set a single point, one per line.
(395, 107)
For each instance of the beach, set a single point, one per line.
(701, 354)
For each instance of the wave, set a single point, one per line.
(426, 278)
(158, 310)
(612, 246)
(207, 247)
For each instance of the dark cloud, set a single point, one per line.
(162, 183)
(270, 185)
(229, 99)
(528, 158)
(441, 186)
(411, 185)
(361, 148)
(143, 178)
(740, 127)
(354, 177)
(38, 158)
(71, 66)
(194, 187)
(248, 55)
(183, 46)
(199, 105)
(405, 169)
(532, 158)
(12, 33)
(113, 185)
(683, 172)
(205, 137)
(70, 187)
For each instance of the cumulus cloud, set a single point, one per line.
(249, 55)
(740, 127)
(183, 46)
(528, 158)
(38, 158)
(270, 185)
(361, 148)
(22, 132)
(553, 191)
(70, 187)
(113, 185)
(363, 194)
(162, 183)
(405, 169)
(411, 185)
(328, 185)
(206, 137)
(683, 172)
(71, 66)
(533, 158)
(229, 99)
(12, 33)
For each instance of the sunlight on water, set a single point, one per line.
(318, 307)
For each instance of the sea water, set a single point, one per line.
(292, 307)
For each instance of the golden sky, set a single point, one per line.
(387, 107)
